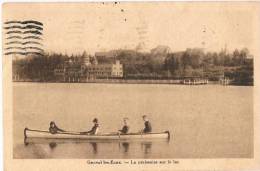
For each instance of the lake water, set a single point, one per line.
(208, 121)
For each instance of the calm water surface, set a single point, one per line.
(208, 121)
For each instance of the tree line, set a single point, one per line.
(157, 64)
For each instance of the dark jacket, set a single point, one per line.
(125, 129)
(147, 127)
(55, 129)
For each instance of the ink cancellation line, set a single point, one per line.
(24, 22)
(36, 32)
(23, 28)
(24, 38)
(23, 43)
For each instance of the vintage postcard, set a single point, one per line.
(131, 85)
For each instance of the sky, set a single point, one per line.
(75, 27)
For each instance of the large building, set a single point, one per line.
(74, 71)
(113, 70)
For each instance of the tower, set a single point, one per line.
(86, 59)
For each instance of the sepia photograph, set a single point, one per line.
(131, 80)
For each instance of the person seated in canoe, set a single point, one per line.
(125, 128)
(54, 129)
(147, 125)
(94, 129)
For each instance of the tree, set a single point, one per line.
(235, 58)
(227, 60)
(244, 53)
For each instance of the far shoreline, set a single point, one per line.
(136, 81)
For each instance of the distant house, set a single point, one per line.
(59, 71)
(111, 70)
(69, 72)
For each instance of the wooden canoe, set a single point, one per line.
(29, 133)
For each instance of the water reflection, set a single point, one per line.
(95, 148)
(146, 147)
(52, 145)
(124, 146)
(25, 140)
